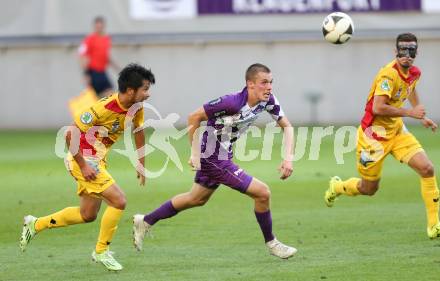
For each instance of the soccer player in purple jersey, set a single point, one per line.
(229, 117)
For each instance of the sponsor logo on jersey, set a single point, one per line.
(385, 85)
(86, 118)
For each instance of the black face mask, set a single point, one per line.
(406, 50)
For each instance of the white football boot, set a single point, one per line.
(280, 250)
(140, 228)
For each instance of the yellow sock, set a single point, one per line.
(430, 195)
(348, 187)
(67, 216)
(109, 224)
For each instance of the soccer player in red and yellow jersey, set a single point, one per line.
(382, 132)
(94, 131)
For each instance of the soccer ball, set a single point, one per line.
(337, 28)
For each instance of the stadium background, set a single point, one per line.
(197, 58)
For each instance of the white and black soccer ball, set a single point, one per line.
(337, 28)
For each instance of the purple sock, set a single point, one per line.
(265, 222)
(163, 212)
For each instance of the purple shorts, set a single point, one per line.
(216, 172)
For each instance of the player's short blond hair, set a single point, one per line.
(254, 69)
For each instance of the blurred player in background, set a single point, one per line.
(95, 56)
(229, 117)
(96, 129)
(382, 132)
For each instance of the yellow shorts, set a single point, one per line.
(103, 179)
(371, 153)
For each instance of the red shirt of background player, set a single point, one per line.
(97, 48)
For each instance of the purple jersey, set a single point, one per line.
(228, 118)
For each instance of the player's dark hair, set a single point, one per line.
(133, 76)
(406, 37)
(99, 19)
(252, 70)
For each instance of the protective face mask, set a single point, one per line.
(406, 50)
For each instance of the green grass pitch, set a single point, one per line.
(363, 238)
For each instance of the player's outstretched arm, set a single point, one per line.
(139, 140)
(194, 120)
(382, 108)
(88, 172)
(415, 101)
(286, 167)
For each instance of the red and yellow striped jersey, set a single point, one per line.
(102, 124)
(397, 86)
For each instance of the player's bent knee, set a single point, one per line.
(263, 196)
(88, 217)
(427, 170)
(121, 203)
(369, 188)
(370, 191)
